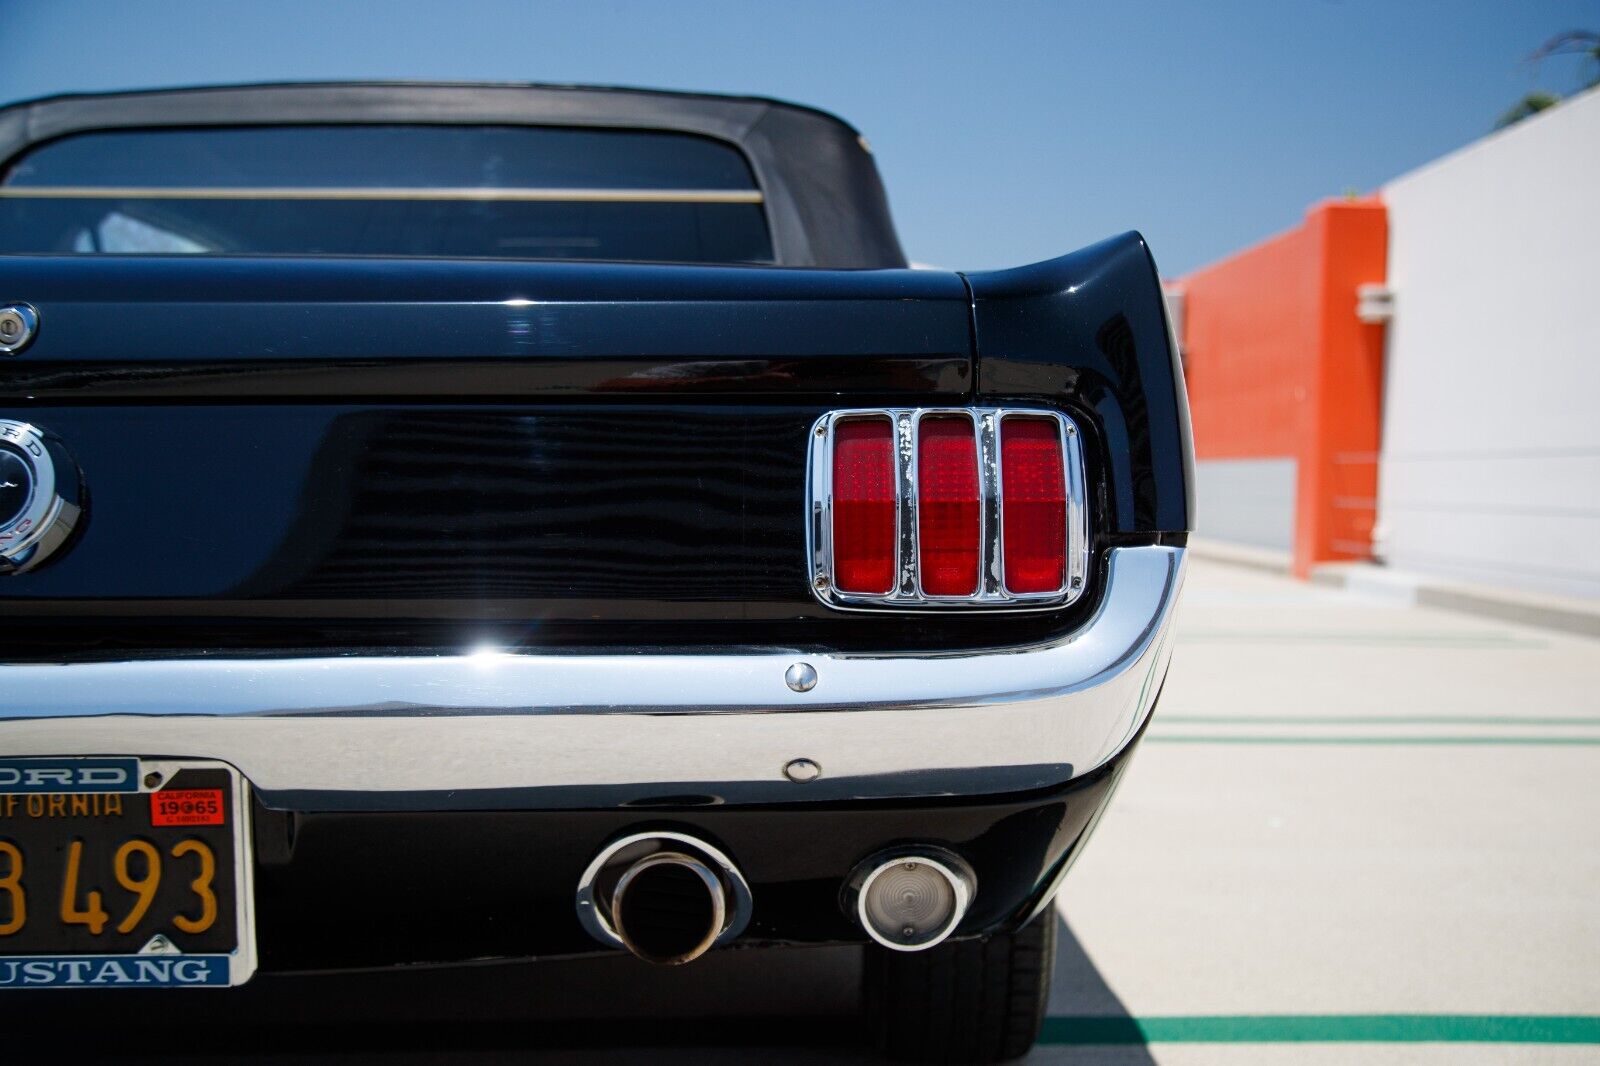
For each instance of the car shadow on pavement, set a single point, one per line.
(1077, 990)
(798, 1005)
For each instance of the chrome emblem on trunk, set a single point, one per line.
(41, 496)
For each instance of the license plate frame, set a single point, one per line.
(151, 810)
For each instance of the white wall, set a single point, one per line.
(1490, 465)
(1246, 501)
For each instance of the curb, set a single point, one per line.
(1564, 614)
(1561, 613)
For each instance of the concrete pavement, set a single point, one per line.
(1348, 808)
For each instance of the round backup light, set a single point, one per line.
(912, 902)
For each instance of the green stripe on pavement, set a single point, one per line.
(1325, 1028)
(1372, 719)
(1289, 738)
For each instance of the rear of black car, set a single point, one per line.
(454, 466)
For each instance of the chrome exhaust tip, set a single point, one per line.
(911, 899)
(668, 908)
(667, 898)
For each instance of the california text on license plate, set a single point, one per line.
(123, 872)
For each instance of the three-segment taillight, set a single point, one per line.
(947, 507)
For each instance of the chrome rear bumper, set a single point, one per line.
(501, 730)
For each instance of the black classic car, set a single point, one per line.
(452, 522)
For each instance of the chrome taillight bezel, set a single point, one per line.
(908, 593)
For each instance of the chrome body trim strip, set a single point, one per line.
(908, 594)
(990, 573)
(494, 728)
(908, 559)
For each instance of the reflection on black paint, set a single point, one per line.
(1115, 340)
(578, 505)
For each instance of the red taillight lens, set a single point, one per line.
(947, 505)
(864, 531)
(1033, 498)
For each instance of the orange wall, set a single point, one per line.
(1248, 323)
(1278, 365)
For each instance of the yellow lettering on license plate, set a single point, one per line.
(136, 867)
(61, 805)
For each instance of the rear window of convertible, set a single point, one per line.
(515, 192)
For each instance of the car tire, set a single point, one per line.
(969, 1001)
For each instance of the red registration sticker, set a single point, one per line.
(187, 806)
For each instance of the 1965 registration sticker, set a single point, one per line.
(123, 872)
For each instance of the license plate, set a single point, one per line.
(123, 873)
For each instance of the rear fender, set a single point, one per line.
(1089, 331)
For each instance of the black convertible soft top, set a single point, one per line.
(824, 200)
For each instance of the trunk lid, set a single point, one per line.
(294, 452)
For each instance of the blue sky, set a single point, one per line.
(1007, 132)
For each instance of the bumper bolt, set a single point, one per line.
(802, 770)
(801, 677)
